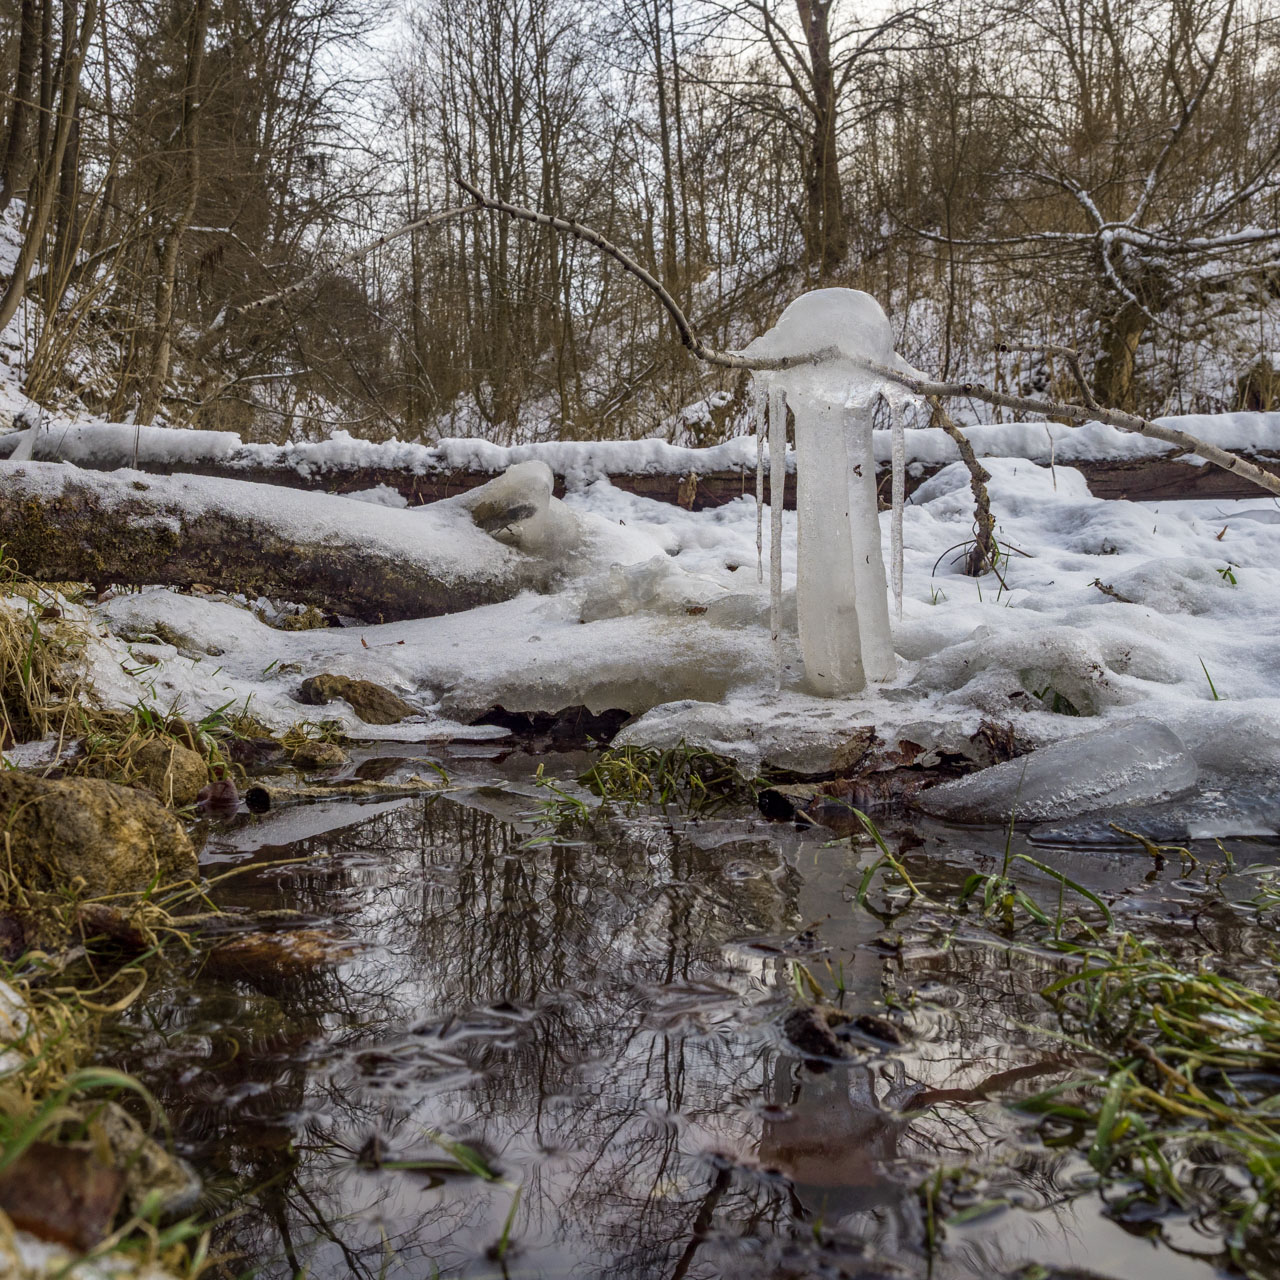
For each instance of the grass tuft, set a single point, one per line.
(691, 779)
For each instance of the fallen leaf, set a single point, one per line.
(61, 1193)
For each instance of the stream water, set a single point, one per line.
(599, 1018)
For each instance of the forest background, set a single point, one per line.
(1098, 173)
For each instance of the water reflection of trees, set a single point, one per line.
(573, 1011)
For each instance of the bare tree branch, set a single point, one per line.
(227, 314)
(1069, 354)
(1184, 120)
(1073, 414)
(983, 554)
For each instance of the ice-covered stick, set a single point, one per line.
(758, 401)
(898, 491)
(777, 493)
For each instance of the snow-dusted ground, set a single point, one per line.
(669, 621)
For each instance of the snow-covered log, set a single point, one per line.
(1116, 464)
(62, 524)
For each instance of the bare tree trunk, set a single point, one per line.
(66, 220)
(41, 204)
(46, 93)
(1114, 374)
(826, 239)
(166, 286)
(28, 44)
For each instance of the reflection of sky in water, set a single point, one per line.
(601, 1021)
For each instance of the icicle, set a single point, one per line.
(899, 495)
(777, 493)
(758, 401)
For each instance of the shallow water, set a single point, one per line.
(600, 1018)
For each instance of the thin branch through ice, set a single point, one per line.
(898, 495)
(758, 401)
(777, 494)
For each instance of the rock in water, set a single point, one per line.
(1139, 762)
(371, 702)
(150, 1172)
(271, 961)
(114, 838)
(66, 1194)
(311, 756)
(174, 774)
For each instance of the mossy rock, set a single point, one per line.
(312, 755)
(152, 1175)
(371, 702)
(310, 619)
(174, 774)
(115, 839)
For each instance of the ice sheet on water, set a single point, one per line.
(1125, 764)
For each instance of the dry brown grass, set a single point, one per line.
(38, 644)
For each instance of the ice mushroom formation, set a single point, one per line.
(841, 594)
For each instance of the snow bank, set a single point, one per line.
(663, 617)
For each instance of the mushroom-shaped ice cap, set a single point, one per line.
(851, 321)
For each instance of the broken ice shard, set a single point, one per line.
(1219, 812)
(1138, 762)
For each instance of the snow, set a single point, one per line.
(14, 1024)
(663, 617)
(25, 1255)
(642, 605)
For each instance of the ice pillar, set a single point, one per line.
(842, 596)
(842, 599)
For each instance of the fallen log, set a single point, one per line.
(62, 524)
(694, 478)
